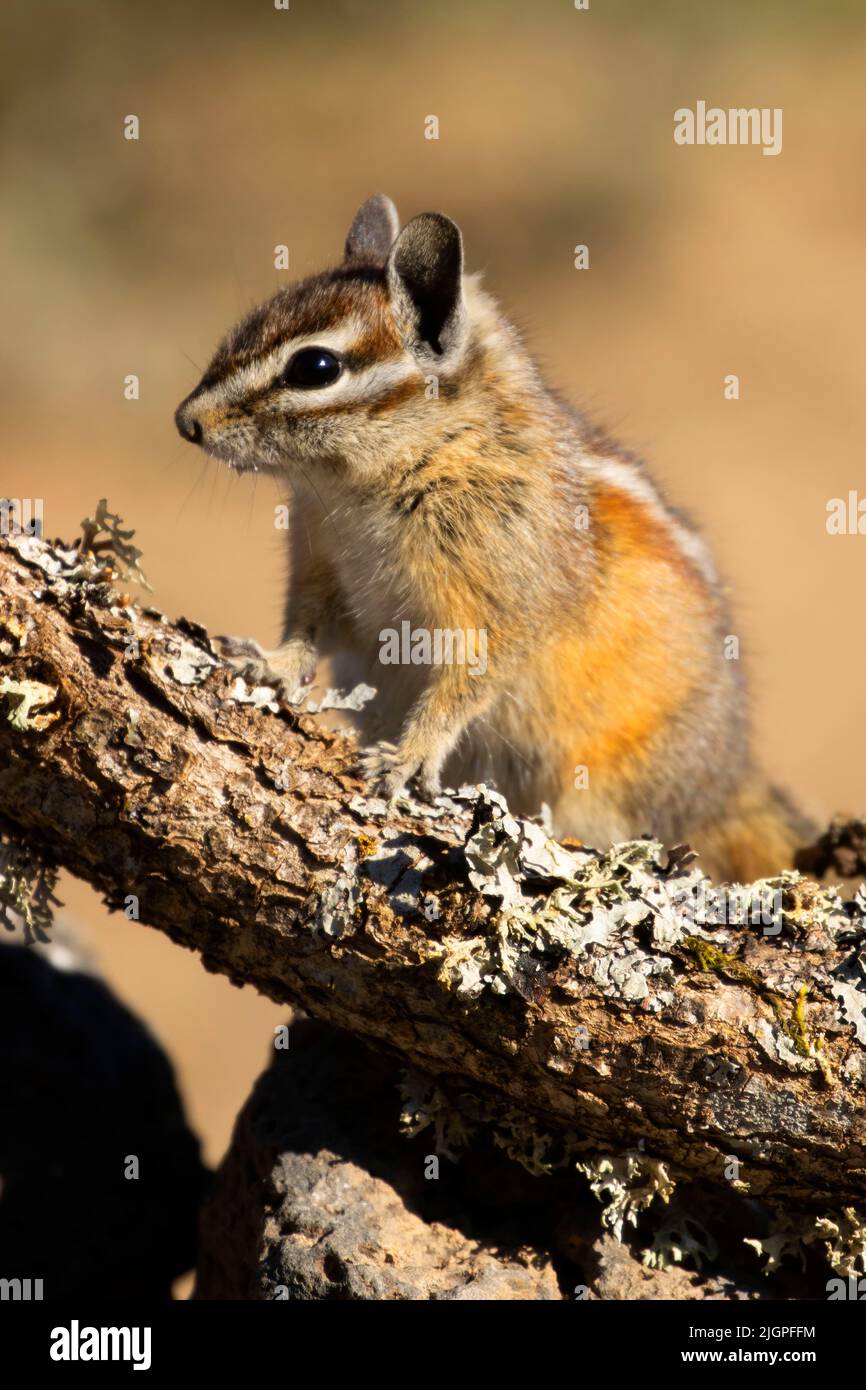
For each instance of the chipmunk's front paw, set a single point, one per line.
(390, 769)
(287, 669)
(243, 654)
(381, 764)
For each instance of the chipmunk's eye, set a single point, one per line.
(312, 367)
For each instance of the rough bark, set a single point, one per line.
(566, 996)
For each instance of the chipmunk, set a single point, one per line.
(440, 487)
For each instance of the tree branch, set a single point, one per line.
(575, 995)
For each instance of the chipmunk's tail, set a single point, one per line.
(757, 836)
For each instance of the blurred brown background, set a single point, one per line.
(261, 127)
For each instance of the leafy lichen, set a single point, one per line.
(27, 884)
(426, 1106)
(22, 698)
(103, 537)
(679, 1238)
(552, 902)
(626, 1184)
(841, 1235)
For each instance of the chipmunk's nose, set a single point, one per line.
(188, 425)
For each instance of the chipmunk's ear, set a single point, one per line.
(373, 231)
(425, 276)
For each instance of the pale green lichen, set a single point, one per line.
(555, 902)
(104, 552)
(844, 1236)
(27, 884)
(626, 1185)
(535, 1150)
(550, 903)
(425, 1106)
(13, 634)
(187, 663)
(848, 986)
(337, 907)
(841, 1234)
(20, 699)
(679, 1238)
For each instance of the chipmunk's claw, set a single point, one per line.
(386, 766)
(429, 782)
(381, 765)
(244, 656)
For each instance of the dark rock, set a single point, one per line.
(84, 1085)
(320, 1198)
